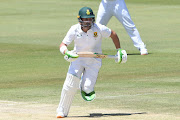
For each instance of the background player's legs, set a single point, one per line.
(104, 14)
(122, 14)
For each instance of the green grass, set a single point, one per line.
(159, 2)
(32, 68)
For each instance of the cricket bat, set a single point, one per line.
(95, 55)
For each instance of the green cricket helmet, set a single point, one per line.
(86, 12)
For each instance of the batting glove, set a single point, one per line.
(121, 56)
(70, 56)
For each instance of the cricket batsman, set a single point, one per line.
(118, 8)
(87, 37)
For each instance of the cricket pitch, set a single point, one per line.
(10, 110)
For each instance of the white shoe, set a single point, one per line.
(60, 115)
(144, 51)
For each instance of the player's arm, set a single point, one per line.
(122, 55)
(115, 39)
(70, 36)
(70, 56)
(63, 48)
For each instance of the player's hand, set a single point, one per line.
(121, 56)
(70, 56)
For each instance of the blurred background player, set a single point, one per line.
(117, 8)
(87, 37)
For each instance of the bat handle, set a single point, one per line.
(112, 56)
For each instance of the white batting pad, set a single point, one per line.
(69, 89)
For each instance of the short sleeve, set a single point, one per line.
(105, 31)
(69, 36)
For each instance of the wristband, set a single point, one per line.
(62, 49)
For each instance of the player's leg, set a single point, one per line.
(122, 14)
(104, 13)
(69, 89)
(71, 85)
(89, 79)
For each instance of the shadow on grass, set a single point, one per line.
(95, 115)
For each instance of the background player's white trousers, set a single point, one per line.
(118, 8)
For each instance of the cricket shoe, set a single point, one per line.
(143, 51)
(60, 115)
(88, 97)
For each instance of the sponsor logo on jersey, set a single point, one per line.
(79, 35)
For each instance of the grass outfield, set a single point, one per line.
(32, 70)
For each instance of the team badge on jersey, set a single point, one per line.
(95, 34)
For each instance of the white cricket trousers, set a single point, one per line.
(89, 67)
(118, 8)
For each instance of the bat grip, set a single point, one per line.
(112, 56)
